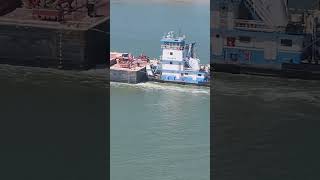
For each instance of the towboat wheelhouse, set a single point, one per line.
(178, 63)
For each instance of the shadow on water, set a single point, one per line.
(265, 127)
(52, 116)
(47, 77)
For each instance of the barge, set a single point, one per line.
(265, 38)
(126, 68)
(178, 64)
(62, 34)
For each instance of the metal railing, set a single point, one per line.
(255, 26)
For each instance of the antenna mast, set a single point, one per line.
(179, 32)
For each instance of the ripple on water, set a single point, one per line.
(154, 86)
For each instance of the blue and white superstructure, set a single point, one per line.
(264, 36)
(178, 63)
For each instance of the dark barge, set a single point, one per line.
(288, 70)
(56, 38)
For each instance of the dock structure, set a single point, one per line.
(127, 69)
(55, 35)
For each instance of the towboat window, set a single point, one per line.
(171, 53)
(186, 73)
(170, 62)
(286, 42)
(199, 74)
(244, 39)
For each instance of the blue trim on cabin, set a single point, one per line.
(179, 44)
(172, 78)
(237, 56)
(183, 71)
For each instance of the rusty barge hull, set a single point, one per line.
(45, 47)
(79, 42)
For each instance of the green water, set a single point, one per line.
(159, 131)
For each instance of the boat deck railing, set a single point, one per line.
(252, 25)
